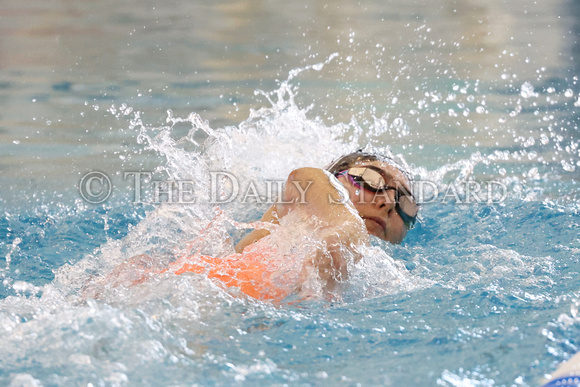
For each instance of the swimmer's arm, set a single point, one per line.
(342, 230)
(303, 186)
(311, 191)
(269, 216)
(314, 192)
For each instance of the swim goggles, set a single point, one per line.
(372, 179)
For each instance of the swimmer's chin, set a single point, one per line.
(376, 226)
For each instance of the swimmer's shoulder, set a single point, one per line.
(304, 178)
(319, 181)
(326, 198)
(307, 174)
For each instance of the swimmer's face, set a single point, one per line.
(378, 209)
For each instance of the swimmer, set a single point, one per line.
(356, 195)
(377, 187)
(338, 208)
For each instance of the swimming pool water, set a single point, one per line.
(478, 294)
(482, 307)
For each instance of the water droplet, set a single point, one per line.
(567, 166)
(400, 126)
(534, 174)
(527, 90)
(574, 309)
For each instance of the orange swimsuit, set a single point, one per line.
(249, 271)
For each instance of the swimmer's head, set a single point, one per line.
(360, 156)
(380, 189)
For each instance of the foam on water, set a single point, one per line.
(449, 290)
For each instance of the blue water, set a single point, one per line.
(489, 308)
(479, 294)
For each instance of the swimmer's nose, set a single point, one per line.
(385, 200)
